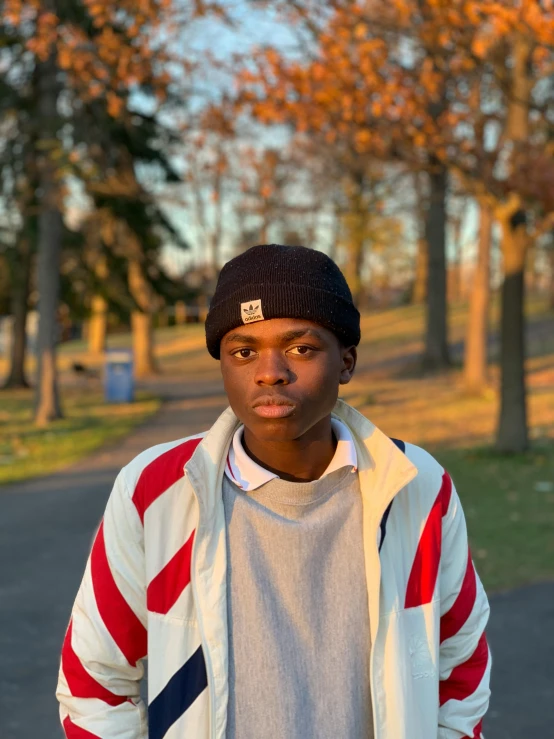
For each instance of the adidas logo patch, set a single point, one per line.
(251, 311)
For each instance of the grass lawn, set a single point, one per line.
(89, 422)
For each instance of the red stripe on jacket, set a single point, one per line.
(455, 618)
(75, 732)
(425, 568)
(125, 628)
(466, 678)
(80, 683)
(169, 583)
(161, 474)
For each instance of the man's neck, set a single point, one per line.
(301, 460)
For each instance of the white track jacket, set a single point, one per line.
(155, 587)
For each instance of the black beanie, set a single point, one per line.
(275, 281)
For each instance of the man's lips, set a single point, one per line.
(273, 407)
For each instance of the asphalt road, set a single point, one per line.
(45, 534)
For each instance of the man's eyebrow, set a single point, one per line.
(282, 338)
(240, 338)
(299, 334)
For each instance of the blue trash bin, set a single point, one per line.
(119, 384)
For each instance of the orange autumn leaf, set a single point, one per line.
(115, 104)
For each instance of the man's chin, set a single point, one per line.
(275, 429)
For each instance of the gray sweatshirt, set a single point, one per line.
(299, 636)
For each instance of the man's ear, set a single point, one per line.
(349, 357)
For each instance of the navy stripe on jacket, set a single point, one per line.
(178, 695)
(402, 446)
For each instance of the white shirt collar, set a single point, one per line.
(248, 475)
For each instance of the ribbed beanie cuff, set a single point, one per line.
(275, 281)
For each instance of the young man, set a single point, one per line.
(292, 573)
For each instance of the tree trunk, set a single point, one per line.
(454, 284)
(419, 288)
(212, 245)
(355, 227)
(143, 359)
(512, 435)
(49, 241)
(180, 313)
(21, 276)
(335, 232)
(202, 307)
(420, 282)
(97, 327)
(532, 271)
(436, 356)
(141, 323)
(355, 263)
(50, 229)
(163, 317)
(264, 229)
(475, 360)
(551, 256)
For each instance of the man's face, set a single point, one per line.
(282, 376)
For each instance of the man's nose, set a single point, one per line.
(272, 369)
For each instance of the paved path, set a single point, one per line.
(45, 534)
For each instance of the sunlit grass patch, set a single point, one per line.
(89, 422)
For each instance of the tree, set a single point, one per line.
(80, 53)
(18, 176)
(551, 264)
(419, 290)
(476, 343)
(98, 323)
(512, 432)
(355, 87)
(210, 156)
(457, 220)
(277, 199)
(19, 249)
(436, 354)
(509, 46)
(367, 227)
(405, 74)
(50, 230)
(134, 225)
(21, 258)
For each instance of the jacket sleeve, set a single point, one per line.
(105, 643)
(464, 658)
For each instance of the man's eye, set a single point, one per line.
(243, 353)
(301, 350)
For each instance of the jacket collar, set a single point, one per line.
(383, 469)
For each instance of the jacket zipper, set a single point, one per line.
(376, 525)
(203, 640)
(376, 728)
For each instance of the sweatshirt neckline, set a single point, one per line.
(289, 493)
